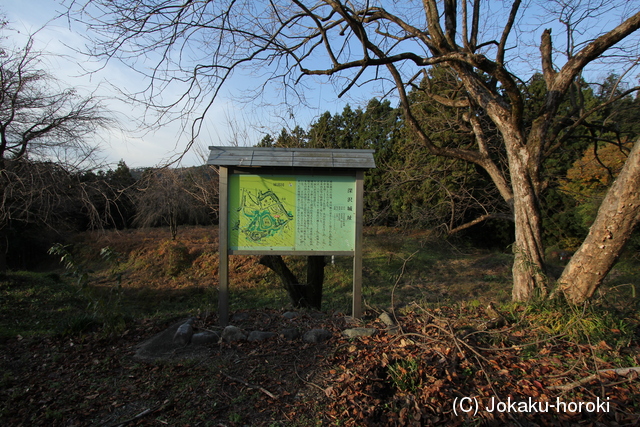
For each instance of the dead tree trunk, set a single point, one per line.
(302, 295)
(618, 215)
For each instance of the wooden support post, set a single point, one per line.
(223, 241)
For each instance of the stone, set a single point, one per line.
(205, 337)
(290, 315)
(352, 321)
(386, 319)
(233, 333)
(160, 346)
(290, 334)
(393, 330)
(316, 335)
(260, 335)
(359, 332)
(183, 334)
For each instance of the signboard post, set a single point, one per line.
(305, 208)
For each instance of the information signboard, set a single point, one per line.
(281, 213)
(290, 201)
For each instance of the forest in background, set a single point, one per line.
(409, 189)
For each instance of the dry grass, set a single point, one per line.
(421, 268)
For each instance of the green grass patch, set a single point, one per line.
(596, 323)
(36, 304)
(430, 270)
(405, 374)
(397, 270)
(161, 279)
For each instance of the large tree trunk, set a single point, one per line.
(618, 215)
(307, 295)
(529, 278)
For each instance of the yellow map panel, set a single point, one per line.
(261, 211)
(291, 213)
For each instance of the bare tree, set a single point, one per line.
(44, 143)
(169, 197)
(40, 120)
(201, 43)
(203, 187)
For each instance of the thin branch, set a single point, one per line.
(623, 372)
(508, 217)
(255, 387)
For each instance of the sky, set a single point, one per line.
(230, 122)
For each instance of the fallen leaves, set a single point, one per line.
(408, 379)
(452, 366)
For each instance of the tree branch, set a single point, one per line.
(590, 52)
(546, 50)
(506, 31)
(508, 217)
(623, 372)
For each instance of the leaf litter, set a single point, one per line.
(414, 375)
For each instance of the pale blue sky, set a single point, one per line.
(230, 121)
(227, 122)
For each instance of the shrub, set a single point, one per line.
(175, 257)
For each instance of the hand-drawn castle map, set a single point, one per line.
(291, 213)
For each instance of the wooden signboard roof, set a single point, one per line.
(291, 157)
